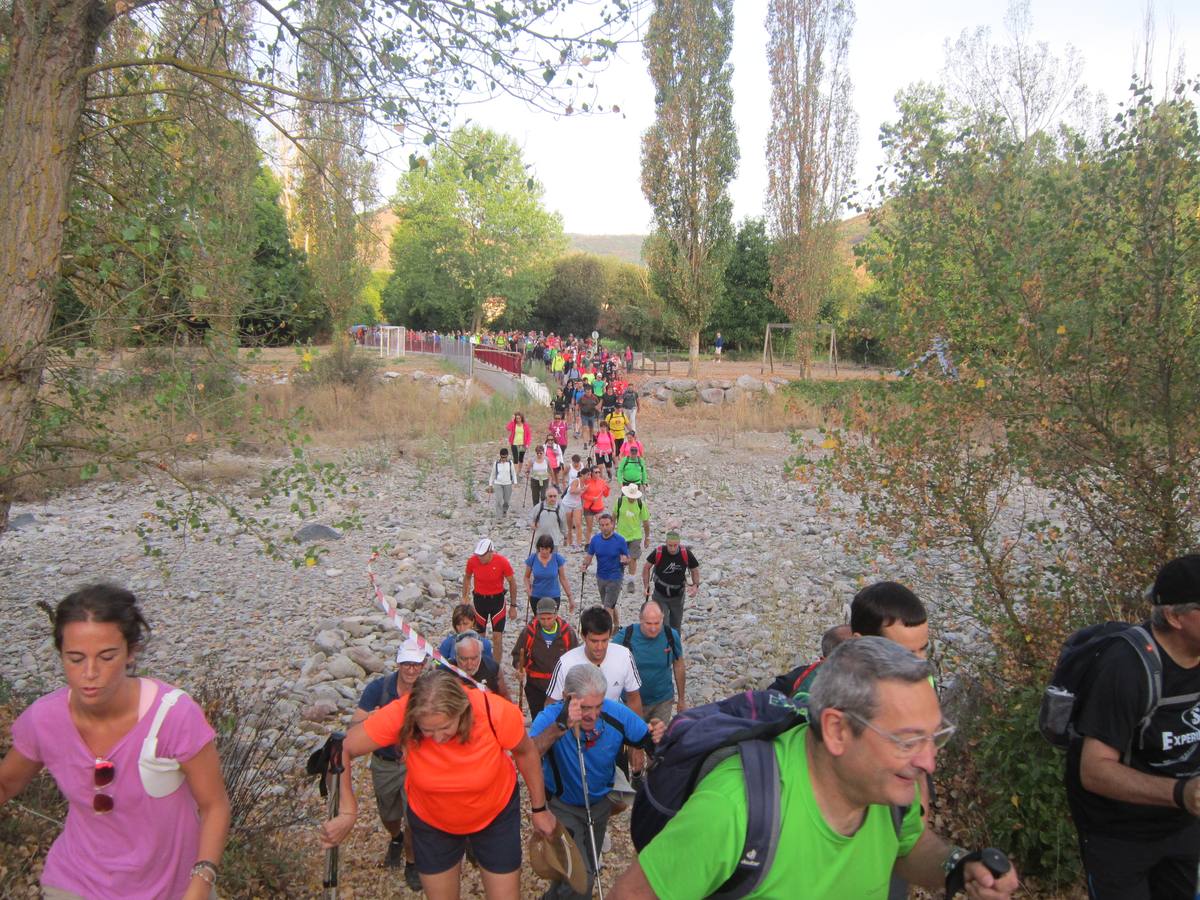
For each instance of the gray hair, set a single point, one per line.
(1158, 613)
(467, 638)
(847, 679)
(584, 680)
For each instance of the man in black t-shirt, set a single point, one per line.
(668, 566)
(1135, 793)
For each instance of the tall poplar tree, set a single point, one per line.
(689, 156)
(810, 152)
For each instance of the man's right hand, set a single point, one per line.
(1191, 795)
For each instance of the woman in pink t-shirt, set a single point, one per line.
(147, 811)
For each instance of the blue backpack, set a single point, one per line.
(696, 741)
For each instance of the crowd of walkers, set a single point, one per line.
(821, 785)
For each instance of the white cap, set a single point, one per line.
(410, 651)
(631, 491)
(484, 545)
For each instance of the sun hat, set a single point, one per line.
(631, 491)
(558, 859)
(484, 545)
(547, 605)
(410, 651)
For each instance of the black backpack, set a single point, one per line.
(626, 639)
(1072, 674)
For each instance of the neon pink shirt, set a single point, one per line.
(145, 848)
(604, 443)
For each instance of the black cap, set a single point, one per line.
(1178, 582)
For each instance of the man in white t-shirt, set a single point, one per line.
(615, 661)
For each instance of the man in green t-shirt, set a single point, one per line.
(632, 515)
(876, 726)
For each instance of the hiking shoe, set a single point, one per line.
(394, 858)
(412, 877)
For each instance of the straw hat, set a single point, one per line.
(558, 859)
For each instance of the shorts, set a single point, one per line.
(592, 513)
(610, 591)
(589, 421)
(635, 549)
(604, 459)
(1164, 869)
(497, 846)
(387, 777)
(490, 606)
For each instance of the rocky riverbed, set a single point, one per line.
(775, 573)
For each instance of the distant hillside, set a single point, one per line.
(625, 247)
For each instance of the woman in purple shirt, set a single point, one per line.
(147, 811)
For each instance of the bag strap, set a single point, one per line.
(626, 636)
(1147, 650)
(164, 706)
(760, 771)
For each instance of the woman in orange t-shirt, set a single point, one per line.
(461, 783)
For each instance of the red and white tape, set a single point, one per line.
(408, 631)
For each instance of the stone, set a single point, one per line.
(69, 569)
(21, 520)
(315, 533)
(681, 384)
(408, 595)
(319, 711)
(749, 383)
(342, 666)
(329, 642)
(734, 394)
(436, 590)
(713, 395)
(332, 573)
(662, 394)
(369, 661)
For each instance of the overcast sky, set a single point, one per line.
(590, 165)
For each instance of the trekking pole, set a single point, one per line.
(332, 780)
(587, 805)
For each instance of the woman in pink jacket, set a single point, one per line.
(518, 437)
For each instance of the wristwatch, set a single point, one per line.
(205, 871)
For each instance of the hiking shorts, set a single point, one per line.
(588, 421)
(490, 606)
(604, 459)
(610, 591)
(497, 846)
(635, 550)
(387, 777)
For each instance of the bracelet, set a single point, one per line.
(206, 871)
(1180, 785)
(538, 809)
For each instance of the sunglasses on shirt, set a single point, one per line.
(102, 776)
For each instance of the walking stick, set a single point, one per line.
(327, 763)
(587, 805)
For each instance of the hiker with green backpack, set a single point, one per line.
(1125, 704)
(632, 515)
(819, 805)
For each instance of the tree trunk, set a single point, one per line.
(694, 354)
(50, 43)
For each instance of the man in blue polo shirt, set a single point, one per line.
(612, 554)
(602, 727)
(658, 654)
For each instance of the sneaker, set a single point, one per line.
(412, 877)
(395, 854)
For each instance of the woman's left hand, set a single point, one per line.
(336, 830)
(545, 822)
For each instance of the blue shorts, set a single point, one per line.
(497, 847)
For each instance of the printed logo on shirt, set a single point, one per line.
(1173, 741)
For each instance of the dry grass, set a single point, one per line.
(724, 422)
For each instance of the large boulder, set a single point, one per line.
(681, 384)
(662, 394)
(370, 662)
(749, 383)
(712, 395)
(329, 642)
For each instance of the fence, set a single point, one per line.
(503, 360)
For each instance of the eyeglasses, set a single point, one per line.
(909, 746)
(102, 776)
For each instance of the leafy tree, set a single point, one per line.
(283, 307)
(745, 307)
(471, 228)
(633, 311)
(810, 152)
(689, 156)
(404, 66)
(570, 302)
(1060, 468)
